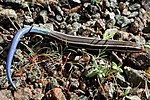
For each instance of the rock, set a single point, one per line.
(144, 16)
(14, 1)
(44, 16)
(63, 25)
(126, 12)
(106, 3)
(117, 11)
(74, 83)
(106, 13)
(1, 39)
(85, 33)
(55, 94)
(59, 18)
(23, 94)
(83, 86)
(133, 14)
(60, 12)
(54, 83)
(147, 36)
(86, 4)
(139, 39)
(134, 27)
(28, 20)
(142, 11)
(73, 32)
(49, 26)
(8, 13)
(121, 80)
(111, 15)
(3, 80)
(113, 3)
(136, 77)
(100, 24)
(3, 97)
(146, 30)
(84, 60)
(82, 97)
(79, 92)
(139, 60)
(134, 7)
(109, 89)
(92, 9)
(38, 95)
(19, 54)
(1, 48)
(77, 1)
(90, 23)
(141, 24)
(34, 74)
(134, 97)
(74, 96)
(122, 6)
(146, 4)
(6, 95)
(7, 38)
(132, 20)
(96, 16)
(69, 28)
(122, 20)
(74, 17)
(110, 23)
(76, 26)
(121, 35)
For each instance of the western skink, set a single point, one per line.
(86, 42)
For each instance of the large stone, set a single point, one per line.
(55, 94)
(134, 7)
(23, 94)
(136, 77)
(6, 95)
(139, 60)
(8, 13)
(122, 20)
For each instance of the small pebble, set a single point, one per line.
(126, 12)
(1, 39)
(28, 20)
(44, 16)
(122, 6)
(133, 14)
(139, 39)
(8, 13)
(134, 7)
(134, 27)
(59, 18)
(122, 20)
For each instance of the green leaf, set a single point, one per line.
(116, 67)
(126, 92)
(109, 33)
(92, 73)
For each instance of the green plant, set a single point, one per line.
(103, 71)
(109, 33)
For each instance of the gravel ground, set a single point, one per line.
(45, 69)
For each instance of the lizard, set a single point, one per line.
(78, 41)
